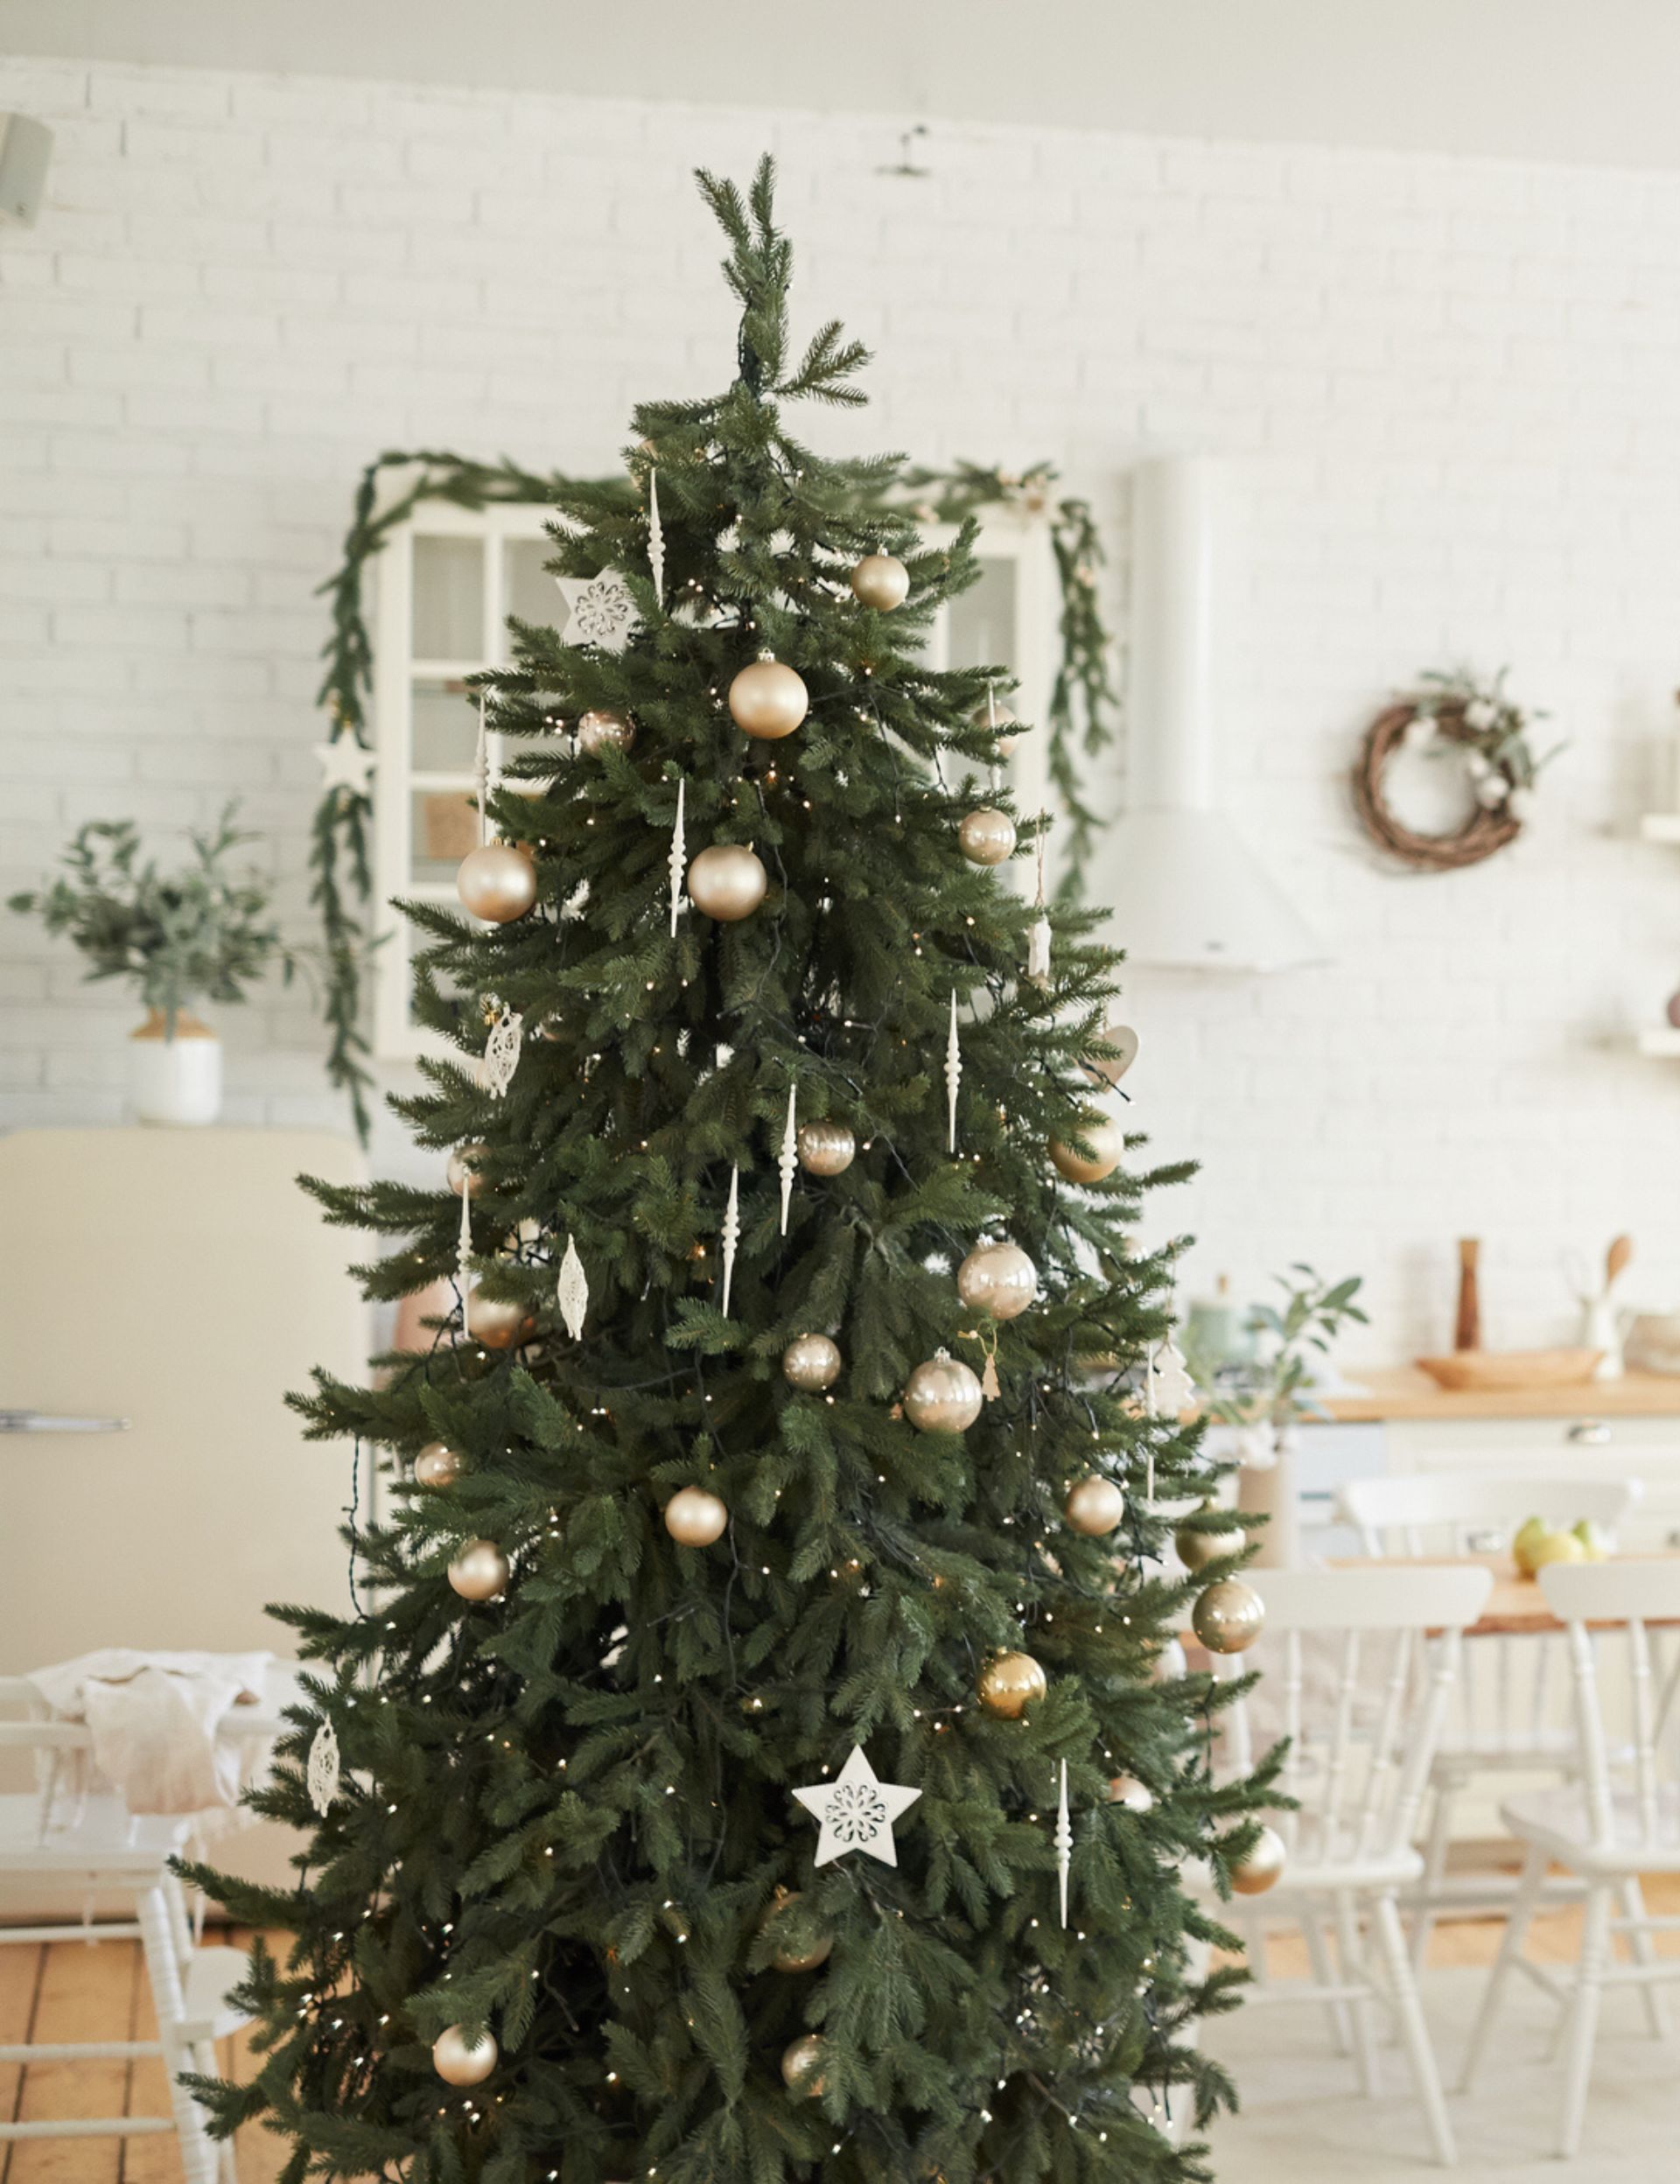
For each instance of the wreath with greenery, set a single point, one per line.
(1084, 703)
(1455, 717)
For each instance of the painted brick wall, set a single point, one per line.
(1449, 393)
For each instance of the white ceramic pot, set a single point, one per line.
(1272, 1489)
(178, 1080)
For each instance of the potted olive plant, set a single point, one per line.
(198, 935)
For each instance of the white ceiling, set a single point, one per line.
(1573, 81)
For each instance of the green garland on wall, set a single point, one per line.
(1083, 702)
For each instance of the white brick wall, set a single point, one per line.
(1450, 391)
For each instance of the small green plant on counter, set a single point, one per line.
(1274, 1387)
(199, 934)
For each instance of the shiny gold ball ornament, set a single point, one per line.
(1009, 1685)
(602, 730)
(999, 718)
(463, 1170)
(1108, 1147)
(436, 1465)
(1127, 1791)
(827, 1147)
(497, 882)
(498, 1322)
(881, 581)
(696, 1518)
(790, 1957)
(768, 700)
(942, 1396)
(1263, 1866)
(1093, 1505)
(727, 882)
(480, 1570)
(801, 2066)
(459, 2061)
(1228, 1616)
(987, 837)
(1196, 1550)
(811, 1362)
(997, 1278)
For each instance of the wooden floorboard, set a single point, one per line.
(84, 1994)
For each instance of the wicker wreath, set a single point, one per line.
(1487, 828)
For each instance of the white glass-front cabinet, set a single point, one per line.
(447, 580)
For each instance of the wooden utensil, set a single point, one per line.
(1615, 1260)
(1466, 1334)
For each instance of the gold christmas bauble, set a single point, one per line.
(997, 1278)
(997, 717)
(1119, 1043)
(695, 1518)
(727, 881)
(497, 882)
(1093, 1505)
(436, 1465)
(1196, 1550)
(498, 1322)
(480, 1570)
(1228, 1616)
(1108, 1147)
(826, 1148)
(768, 700)
(881, 581)
(463, 1170)
(811, 1362)
(459, 2061)
(1127, 1791)
(942, 1396)
(987, 837)
(1009, 1685)
(602, 730)
(801, 2066)
(1263, 1866)
(791, 1958)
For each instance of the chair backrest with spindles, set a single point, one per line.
(1623, 1628)
(1511, 1697)
(1357, 1669)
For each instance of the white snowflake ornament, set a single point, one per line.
(501, 1053)
(600, 611)
(572, 1295)
(857, 1810)
(321, 1769)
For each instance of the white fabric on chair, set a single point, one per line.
(157, 1721)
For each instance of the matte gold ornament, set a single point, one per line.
(1228, 1616)
(459, 2061)
(696, 1518)
(943, 1395)
(826, 1147)
(997, 718)
(1116, 1051)
(987, 837)
(1108, 1147)
(801, 2066)
(480, 1570)
(811, 1362)
(436, 1465)
(768, 700)
(1127, 1791)
(497, 882)
(1010, 1683)
(789, 1956)
(603, 731)
(997, 1278)
(498, 1322)
(463, 1169)
(727, 882)
(1195, 1550)
(1263, 1866)
(1094, 1506)
(881, 581)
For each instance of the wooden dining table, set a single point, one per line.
(1515, 1607)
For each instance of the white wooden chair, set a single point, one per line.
(1620, 1818)
(67, 1837)
(1385, 1646)
(1510, 1710)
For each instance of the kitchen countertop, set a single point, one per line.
(1403, 1392)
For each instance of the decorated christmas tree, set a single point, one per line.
(758, 1749)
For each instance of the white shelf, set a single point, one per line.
(1661, 826)
(1662, 1044)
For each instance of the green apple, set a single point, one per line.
(1595, 1541)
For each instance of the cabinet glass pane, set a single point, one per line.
(448, 599)
(527, 588)
(445, 732)
(445, 828)
(982, 618)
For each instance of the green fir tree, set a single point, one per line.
(567, 1817)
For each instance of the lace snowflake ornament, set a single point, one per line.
(856, 1811)
(600, 611)
(321, 1770)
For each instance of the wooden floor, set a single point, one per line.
(67, 1991)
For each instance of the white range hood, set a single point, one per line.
(1188, 891)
